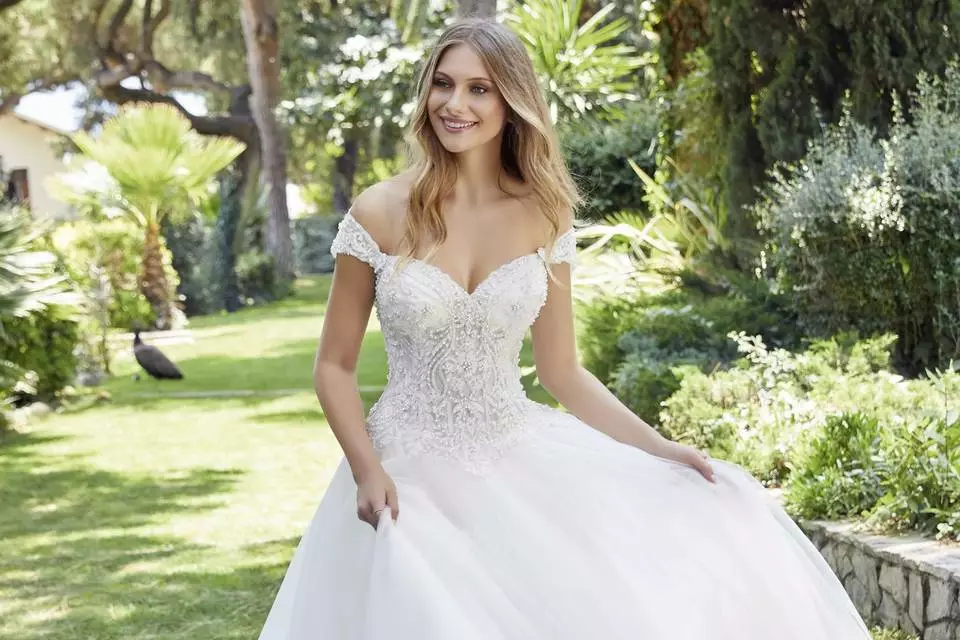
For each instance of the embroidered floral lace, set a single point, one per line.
(453, 385)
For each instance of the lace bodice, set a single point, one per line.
(453, 383)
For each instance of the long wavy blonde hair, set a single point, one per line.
(530, 150)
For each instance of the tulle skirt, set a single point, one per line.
(570, 536)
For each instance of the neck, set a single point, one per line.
(479, 173)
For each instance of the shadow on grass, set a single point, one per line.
(141, 586)
(82, 564)
(64, 496)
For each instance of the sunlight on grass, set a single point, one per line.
(172, 520)
(261, 349)
(161, 518)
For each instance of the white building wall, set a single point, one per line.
(25, 145)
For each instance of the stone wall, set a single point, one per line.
(910, 583)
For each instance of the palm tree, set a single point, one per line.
(28, 283)
(28, 280)
(156, 164)
(584, 67)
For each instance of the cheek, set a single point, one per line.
(493, 112)
(434, 101)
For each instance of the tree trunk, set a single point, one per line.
(153, 279)
(476, 8)
(343, 176)
(263, 62)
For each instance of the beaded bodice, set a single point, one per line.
(453, 383)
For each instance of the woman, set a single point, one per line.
(463, 510)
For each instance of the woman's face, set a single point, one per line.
(466, 109)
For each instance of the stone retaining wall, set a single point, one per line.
(910, 583)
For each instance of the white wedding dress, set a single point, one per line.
(520, 522)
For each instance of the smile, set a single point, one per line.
(457, 125)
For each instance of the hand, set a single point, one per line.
(685, 454)
(376, 491)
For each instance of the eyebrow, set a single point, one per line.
(468, 79)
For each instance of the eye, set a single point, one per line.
(440, 82)
(479, 90)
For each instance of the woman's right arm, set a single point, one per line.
(335, 381)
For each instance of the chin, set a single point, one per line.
(458, 143)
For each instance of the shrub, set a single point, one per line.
(312, 237)
(922, 482)
(597, 154)
(864, 233)
(43, 343)
(116, 246)
(838, 474)
(640, 348)
(257, 278)
(760, 411)
(191, 241)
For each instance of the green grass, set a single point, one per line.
(161, 518)
(265, 348)
(153, 518)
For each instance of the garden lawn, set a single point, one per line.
(157, 517)
(150, 517)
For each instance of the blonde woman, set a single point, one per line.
(463, 510)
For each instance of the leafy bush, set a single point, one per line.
(758, 412)
(116, 246)
(864, 233)
(640, 347)
(191, 241)
(902, 477)
(597, 154)
(43, 343)
(838, 475)
(257, 278)
(312, 237)
(37, 335)
(922, 479)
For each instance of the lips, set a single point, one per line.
(456, 126)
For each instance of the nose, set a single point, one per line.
(456, 101)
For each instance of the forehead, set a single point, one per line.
(461, 61)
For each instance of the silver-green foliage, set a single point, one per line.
(864, 232)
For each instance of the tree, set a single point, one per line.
(354, 71)
(144, 52)
(260, 30)
(584, 67)
(157, 163)
(778, 72)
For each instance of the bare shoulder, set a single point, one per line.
(381, 208)
(542, 221)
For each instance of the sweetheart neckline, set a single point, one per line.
(469, 294)
(449, 278)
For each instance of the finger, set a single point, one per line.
(377, 513)
(365, 513)
(707, 470)
(393, 502)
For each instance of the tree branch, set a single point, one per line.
(164, 79)
(115, 23)
(8, 4)
(10, 103)
(239, 127)
(150, 25)
(95, 24)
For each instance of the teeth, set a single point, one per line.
(456, 125)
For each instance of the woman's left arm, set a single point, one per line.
(560, 373)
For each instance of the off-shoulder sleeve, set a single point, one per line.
(564, 248)
(352, 239)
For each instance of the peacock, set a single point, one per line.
(153, 361)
